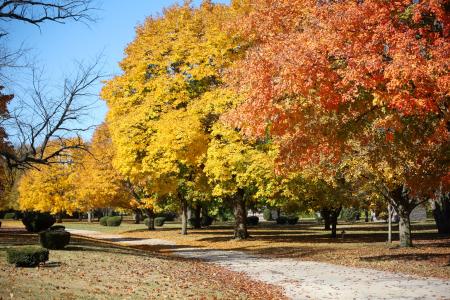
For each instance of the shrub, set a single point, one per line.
(382, 216)
(103, 221)
(292, 220)
(114, 221)
(159, 221)
(252, 220)
(146, 221)
(169, 216)
(281, 220)
(35, 221)
(27, 256)
(207, 221)
(267, 214)
(57, 227)
(54, 239)
(193, 221)
(349, 214)
(9, 216)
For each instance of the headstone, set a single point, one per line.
(418, 214)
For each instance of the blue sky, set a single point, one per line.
(56, 47)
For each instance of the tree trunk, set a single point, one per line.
(89, 216)
(366, 216)
(197, 217)
(404, 228)
(404, 205)
(441, 213)
(59, 217)
(334, 214)
(151, 219)
(80, 216)
(326, 214)
(137, 216)
(240, 215)
(183, 215)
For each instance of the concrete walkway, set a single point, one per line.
(305, 279)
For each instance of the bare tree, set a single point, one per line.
(43, 118)
(39, 11)
(47, 118)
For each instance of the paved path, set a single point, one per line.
(306, 279)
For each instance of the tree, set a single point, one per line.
(46, 119)
(42, 118)
(346, 79)
(98, 183)
(51, 188)
(162, 107)
(238, 171)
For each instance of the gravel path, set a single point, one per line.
(306, 279)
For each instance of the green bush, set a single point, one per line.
(281, 220)
(114, 221)
(169, 216)
(103, 221)
(54, 239)
(146, 221)
(349, 214)
(9, 216)
(292, 220)
(267, 214)
(207, 221)
(57, 227)
(252, 220)
(26, 256)
(35, 221)
(193, 221)
(159, 221)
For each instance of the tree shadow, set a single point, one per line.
(406, 257)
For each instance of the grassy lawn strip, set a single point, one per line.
(90, 269)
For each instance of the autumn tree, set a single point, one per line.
(163, 106)
(98, 183)
(52, 187)
(341, 79)
(239, 172)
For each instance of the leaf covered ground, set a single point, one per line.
(363, 245)
(88, 270)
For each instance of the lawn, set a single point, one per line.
(363, 244)
(88, 269)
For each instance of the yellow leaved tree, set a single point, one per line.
(51, 188)
(162, 107)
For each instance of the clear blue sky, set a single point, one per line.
(56, 46)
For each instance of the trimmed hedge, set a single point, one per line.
(9, 216)
(281, 220)
(207, 221)
(204, 221)
(252, 220)
(114, 221)
(159, 221)
(292, 220)
(267, 214)
(36, 221)
(146, 221)
(57, 227)
(54, 239)
(103, 221)
(27, 256)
